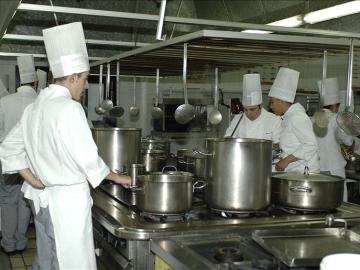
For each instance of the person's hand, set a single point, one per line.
(37, 183)
(281, 165)
(123, 180)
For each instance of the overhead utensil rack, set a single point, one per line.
(227, 50)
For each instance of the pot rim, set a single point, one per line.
(145, 140)
(152, 151)
(171, 177)
(116, 129)
(238, 140)
(332, 178)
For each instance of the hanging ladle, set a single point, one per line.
(117, 111)
(157, 112)
(98, 109)
(107, 104)
(134, 110)
(185, 112)
(215, 116)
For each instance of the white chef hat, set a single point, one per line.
(285, 85)
(3, 90)
(342, 100)
(26, 69)
(66, 49)
(331, 95)
(42, 76)
(251, 90)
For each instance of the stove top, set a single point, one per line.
(113, 209)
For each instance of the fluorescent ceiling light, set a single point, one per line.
(256, 31)
(294, 21)
(332, 12)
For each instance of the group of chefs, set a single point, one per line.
(46, 141)
(302, 141)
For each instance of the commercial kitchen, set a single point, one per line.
(165, 83)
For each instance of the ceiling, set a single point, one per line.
(113, 27)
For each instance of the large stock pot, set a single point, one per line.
(150, 143)
(312, 191)
(165, 193)
(239, 174)
(154, 160)
(118, 146)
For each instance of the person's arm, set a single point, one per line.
(123, 180)
(283, 163)
(31, 179)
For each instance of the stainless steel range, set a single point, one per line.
(200, 239)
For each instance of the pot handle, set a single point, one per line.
(169, 166)
(300, 189)
(202, 153)
(184, 162)
(202, 185)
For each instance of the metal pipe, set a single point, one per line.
(117, 83)
(322, 94)
(184, 72)
(216, 92)
(161, 20)
(157, 87)
(107, 89)
(350, 71)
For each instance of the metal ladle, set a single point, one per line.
(107, 104)
(185, 112)
(215, 116)
(98, 109)
(117, 111)
(134, 110)
(157, 112)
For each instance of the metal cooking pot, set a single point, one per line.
(180, 154)
(165, 193)
(239, 174)
(313, 191)
(118, 146)
(196, 164)
(134, 170)
(154, 160)
(155, 144)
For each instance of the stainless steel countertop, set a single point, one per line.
(119, 220)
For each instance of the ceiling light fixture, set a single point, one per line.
(332, 12)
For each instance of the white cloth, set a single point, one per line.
(12, 107)
(331, 94)
(66, 49)
(340, 261)
(266, 126)
(26, 69)
(251, 95)
(285, 85)
(53, 139)
(298, 139)
(3, 89)
(42, 79)
(329, 140)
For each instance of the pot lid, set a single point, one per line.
(312, 177)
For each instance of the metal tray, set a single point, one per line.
(306, 247)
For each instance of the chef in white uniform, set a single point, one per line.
(53, 139)
(330, 137)
(15, 212)
(257, 123)
(297, 138)
(42, 79)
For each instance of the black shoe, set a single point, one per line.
(9, 253)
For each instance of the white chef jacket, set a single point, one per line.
(53, 139)
(328, 140)
(266, 126)
(12, 107)
(298, 138)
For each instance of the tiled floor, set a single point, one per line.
(24, 260)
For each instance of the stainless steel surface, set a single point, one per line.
(306, 248)
(313, 191)
(185, 112)
(196, 164)
(107, 104)
(227, 50)
(180, 154)
(122, 222)
(134, 110)
(134, 170)
(165, 193)
(118, 146)
(99, 109)
(154, 160)
(157, 112)
(215, 116)
(239, 176)
(152, 143)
